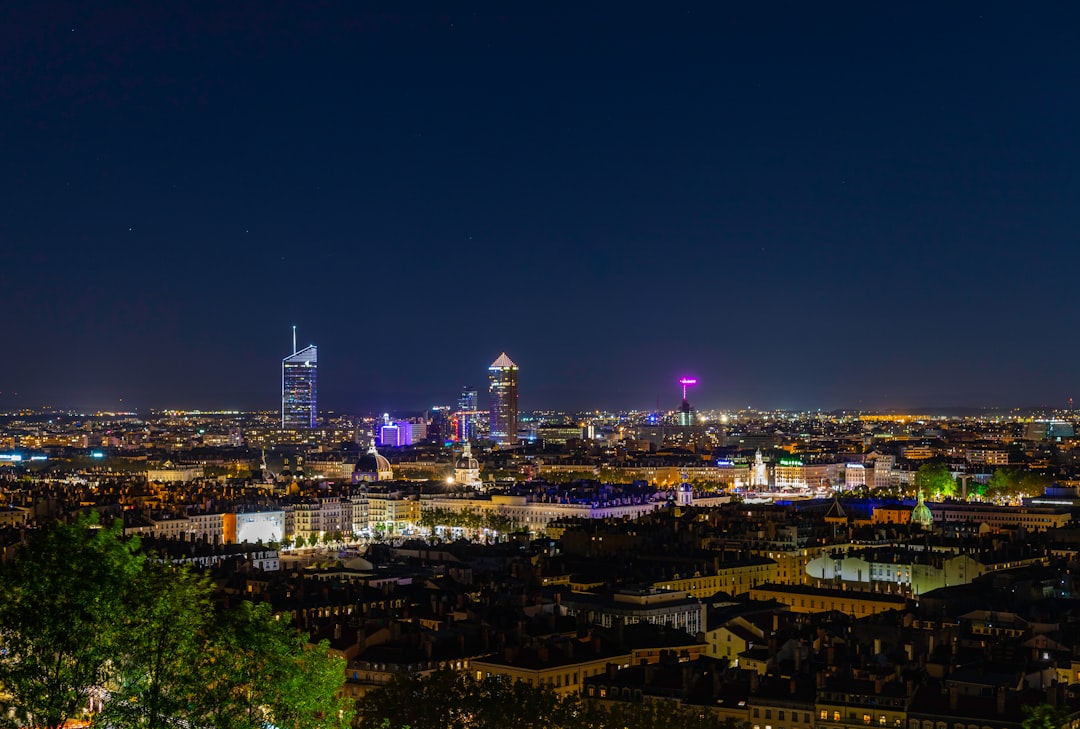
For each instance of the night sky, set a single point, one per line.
(805, 205)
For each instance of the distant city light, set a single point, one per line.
(686, 382)
(97, 454)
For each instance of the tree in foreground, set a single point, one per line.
(86, 614)
(65, 613)
(154, 676)
(259, 671)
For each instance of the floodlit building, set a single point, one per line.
(260, 526)
(467, 468)
(372, 466)
(396, 434)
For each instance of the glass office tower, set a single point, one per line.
(467, 414)
(298, 402)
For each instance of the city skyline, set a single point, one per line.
(859, 206)
(299, 405)
(787, 434)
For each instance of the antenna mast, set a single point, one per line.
(294, 339)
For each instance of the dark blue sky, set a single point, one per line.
(806, 205)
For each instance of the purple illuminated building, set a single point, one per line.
(396, 434)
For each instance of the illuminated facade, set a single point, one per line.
(298, 391)
(467, 414)
(467, 468)
(396, 434)
(503, 395)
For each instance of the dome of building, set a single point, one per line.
(467, 468)
(685, 494)
(467, 460)
(372, 466)
(921, 514)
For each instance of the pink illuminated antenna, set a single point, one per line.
(685, 382)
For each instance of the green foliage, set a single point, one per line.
(259, 670)
(63, 612)
(84, 611)
(155, 676)
(1045, 716)
(934, 479)
(1010, 484)
(470, 519)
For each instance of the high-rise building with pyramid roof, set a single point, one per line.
(503, 396)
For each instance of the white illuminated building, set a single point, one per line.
(760, 477)
(535, 516)
(467, 468)
(854, 475)
(260, 526)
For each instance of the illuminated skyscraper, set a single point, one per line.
(298, 401)
(503, 396)
(467, 414)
